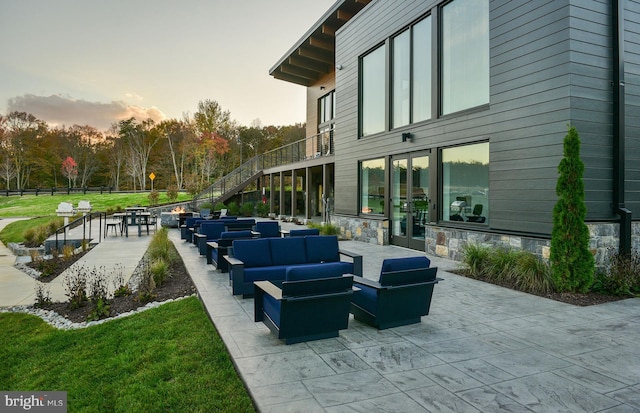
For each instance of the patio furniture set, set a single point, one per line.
(119, 222)
(302, 289)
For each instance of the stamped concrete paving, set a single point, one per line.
(482, 348)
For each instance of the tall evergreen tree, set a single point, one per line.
(572, 261)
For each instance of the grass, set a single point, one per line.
(166, 359)
(43, 205)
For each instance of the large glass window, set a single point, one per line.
(465, 183)
(372, 192)
(465, 55)
(421, 90)
(411, 83)
(401, 79)
(372, 94)
(326, 105)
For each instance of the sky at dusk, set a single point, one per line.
(97, 62)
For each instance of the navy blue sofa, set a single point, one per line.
(311, 303)
(269, 258)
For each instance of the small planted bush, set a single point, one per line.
(75, 286)
(325, 229)
(161, 247)
(160, 271)
(621, 275)
(246, 210)
(521, 270)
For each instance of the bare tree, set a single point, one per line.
(141, 138)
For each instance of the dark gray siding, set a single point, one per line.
(550, 67)
(632, 112)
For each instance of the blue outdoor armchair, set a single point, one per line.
(311, 304)
(268, 229)
(401, 296)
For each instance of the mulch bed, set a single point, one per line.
(583, 300)
(178, 284)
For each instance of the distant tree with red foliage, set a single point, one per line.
(70, 170)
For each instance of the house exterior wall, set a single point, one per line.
(550, 66)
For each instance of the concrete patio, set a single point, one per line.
(482, 348)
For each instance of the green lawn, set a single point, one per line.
(42, 205)
(168, 359)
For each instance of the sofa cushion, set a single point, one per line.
(252, 252)
(313, 271)
(409, 263)
(304, 232)
(288, 251)
(322, 248)
(272, 308)
(271, 273)
(391, 265)
(235, 234)
(366, 298)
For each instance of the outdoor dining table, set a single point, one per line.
(133, 218)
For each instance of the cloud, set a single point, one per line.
(58, 110)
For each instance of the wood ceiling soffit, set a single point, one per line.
(310, 64)
(329, 30)
(344, 15)
(298, 71)
(316, 54)
(291, 78)
(322, 44)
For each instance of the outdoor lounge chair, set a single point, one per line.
(268, 229)
(311, 304)
(401, 296)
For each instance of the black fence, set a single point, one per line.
(61, 191)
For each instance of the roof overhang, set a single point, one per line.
(313, 56)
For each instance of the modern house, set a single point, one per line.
(444, 120)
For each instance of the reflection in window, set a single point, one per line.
(465, 183)
(401, 78)
(372, 193)
(411, 83)
(326, 104)
(465, 55)
(372, 96)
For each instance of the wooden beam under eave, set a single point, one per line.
(328, 30)
(316, 54)
(291, 79)
(299, 71)
(344, 15)
(322, 44)
(310, 64)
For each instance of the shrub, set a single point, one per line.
(572, 262)
(172, 193)
(246, 209)
(160, 271)
(75, 286)
(120, 289)
(161, 247)
(219, 206)
(100, 311)
(533, 274)
(621, 276)
(476, 259)
(521, 270)
(153, 197)
(43, 294)
(233, 209)
(68, 251)
(262, 209)
(325, 229)
(147, 283)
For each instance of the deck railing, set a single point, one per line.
(304, 149)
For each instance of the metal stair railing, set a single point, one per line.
(304, 149)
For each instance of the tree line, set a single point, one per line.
(183, 154)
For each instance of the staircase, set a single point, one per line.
(235, 181)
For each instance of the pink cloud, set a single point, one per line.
(59, 110)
